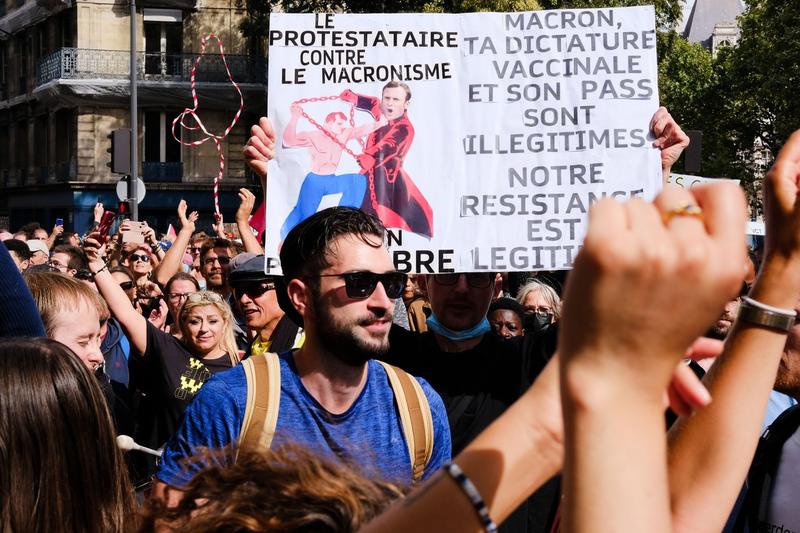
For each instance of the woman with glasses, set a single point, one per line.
(177, 291)
(542, 306)
(173, 370)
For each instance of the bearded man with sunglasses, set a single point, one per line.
(335, 397)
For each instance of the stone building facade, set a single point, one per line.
(64, 86)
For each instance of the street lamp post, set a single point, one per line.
(133, 178)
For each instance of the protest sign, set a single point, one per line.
(505, 128)
(687, 182)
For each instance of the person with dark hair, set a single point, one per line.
(69, 259)
(179, 287)
(215, 258)
(335, 398)
(20, 253)
(287, 489)
(33, 230)
(505, 317)
(60, 467)
(255, 297)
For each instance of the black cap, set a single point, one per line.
(249, 271)
(19, 247)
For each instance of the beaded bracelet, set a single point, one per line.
(105, 267)
(455, 472)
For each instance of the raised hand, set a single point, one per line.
(98, 212)
(260, 147)
(670, 138)
(247, 201)
(640, 260)
(187, 222)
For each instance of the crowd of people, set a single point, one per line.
(345, 395)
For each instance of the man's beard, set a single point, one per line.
(719, 332)
(340, 339)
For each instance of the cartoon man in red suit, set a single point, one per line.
(391, 193)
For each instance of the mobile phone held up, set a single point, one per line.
(59, 222)
(105, 225)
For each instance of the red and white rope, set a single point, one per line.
(217, 139)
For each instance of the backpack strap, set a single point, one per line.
(415, 417)
(765, 467)
(263, 374)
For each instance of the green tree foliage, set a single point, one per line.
(747, 107)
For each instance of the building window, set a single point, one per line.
(163, 42)
(161, 159)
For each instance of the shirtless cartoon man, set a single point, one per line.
(325, 156)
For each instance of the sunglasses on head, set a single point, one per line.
(253, 290)
(476, 280)
(126, 285)
(142, 258)
(204, 296)
(360, 285)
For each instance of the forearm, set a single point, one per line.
(249, 240)
(290, 138)
(171, 262)
(512, 458)
(132, 322)
(615, 475)
(710, 452)
(51, 241)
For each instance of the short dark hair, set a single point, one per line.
(307, 248)
(77, 257)
(29, 229)
(18, 247)
(123, 270)
(211, 243)
(180, 276)
(396, 83)
(509, 304)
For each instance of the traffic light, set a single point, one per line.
(120, 151)
(124, 208)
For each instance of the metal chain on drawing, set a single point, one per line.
(217, 139)
(372, 196)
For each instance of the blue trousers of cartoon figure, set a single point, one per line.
(315, 186)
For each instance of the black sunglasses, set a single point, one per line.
(254, 290)
(360, 285)
(223, 260)
(137, 257)
(476, 280)
(126, 285)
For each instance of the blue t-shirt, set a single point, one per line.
(368, 434)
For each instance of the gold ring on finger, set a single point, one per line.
(685, 210)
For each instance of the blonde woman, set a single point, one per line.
(171, 371)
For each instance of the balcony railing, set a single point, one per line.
(156, 171)
(84, 63)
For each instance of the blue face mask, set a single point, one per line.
(475, 331)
